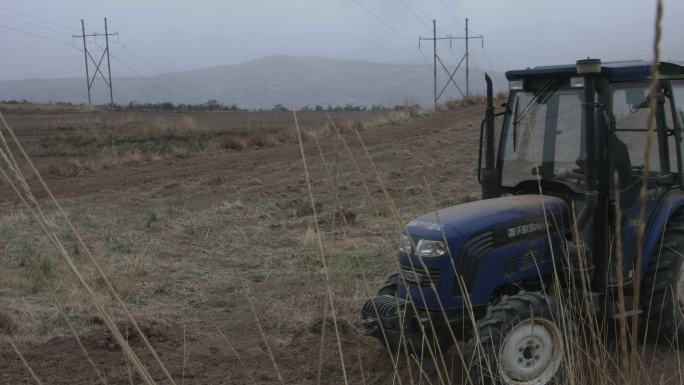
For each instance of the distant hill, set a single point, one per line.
(287, 80)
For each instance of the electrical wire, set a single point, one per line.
(37, 35)
(452, 14)
(35, 25)
(392, 29)
(421, 19)
(72, 30)
(159, 73)
(160, 76)
(491, 68)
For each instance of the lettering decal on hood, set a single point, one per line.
(425, 225)
(525, 229)
(530, 228)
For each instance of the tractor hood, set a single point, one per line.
(511, 218)
(482, 233)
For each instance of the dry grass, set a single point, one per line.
(233, 142)
(473, 100)
(464, 102)
(8, 325)
(72, 141)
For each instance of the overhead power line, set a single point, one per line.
(458, 20)
(72, 30)
(34, 24)
(392, 29)
(413, 11)
(37, 35)
(159, 73)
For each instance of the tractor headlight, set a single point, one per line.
(405, 244)
(430, 249)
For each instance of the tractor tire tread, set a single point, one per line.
(491, 329)
(658, 294)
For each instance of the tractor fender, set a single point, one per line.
(672, 202)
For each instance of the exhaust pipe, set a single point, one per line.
(490, 185)
(589, 68)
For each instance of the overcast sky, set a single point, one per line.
(171, 35)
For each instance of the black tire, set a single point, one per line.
(502, 331)
(662, 297)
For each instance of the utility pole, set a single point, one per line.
(97, 63)
(85, 55)
(109, 66)
(467, 56)
(437, 59)
(434, 57)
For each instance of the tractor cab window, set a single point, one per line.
(543, 137)
(630, 114)
(678, 95)
(630, 109)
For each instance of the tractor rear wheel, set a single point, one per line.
(662, 292)
(518, 342)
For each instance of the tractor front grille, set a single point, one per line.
(531, 258)
(512, 264)
(473, 250)
(418, 277)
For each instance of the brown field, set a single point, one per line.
(198, 216)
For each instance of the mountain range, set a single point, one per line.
(291, 81)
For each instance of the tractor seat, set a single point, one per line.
(621, 164)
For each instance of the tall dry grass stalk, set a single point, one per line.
(237, 356)
(320, 248)
(394, 356)
(643, 195)
(26, 364)
(406, 349)
(74, 333)
(621, 281)
(265, 340)
(14, 176)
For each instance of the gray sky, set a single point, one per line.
(171, 35)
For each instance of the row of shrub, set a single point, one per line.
(214, 105)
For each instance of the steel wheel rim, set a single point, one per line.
(531, 353)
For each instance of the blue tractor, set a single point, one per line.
(560, 199)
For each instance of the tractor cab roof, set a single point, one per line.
(614, 71)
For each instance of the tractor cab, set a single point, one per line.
(545, 147)
(584, 176)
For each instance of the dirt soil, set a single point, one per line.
(198, 239)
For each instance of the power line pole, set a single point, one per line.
(86, 53)
(434, 57)
(109, 67)
(467, 56)
(437, 59)
(467, 38)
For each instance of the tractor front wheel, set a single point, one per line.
(518, 342)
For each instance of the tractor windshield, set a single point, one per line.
(543, 137)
